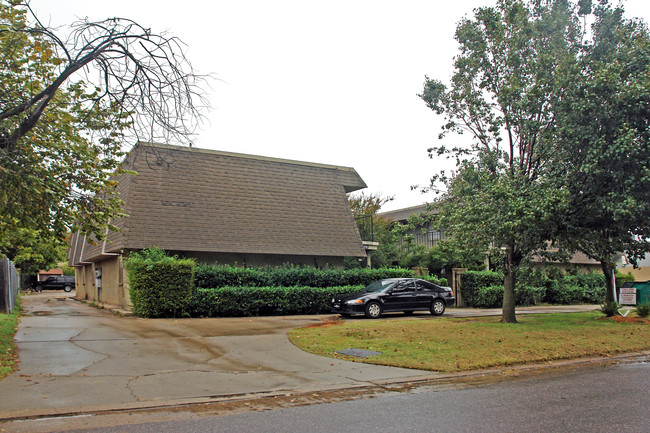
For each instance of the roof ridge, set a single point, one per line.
(404, 209)
(242, 155)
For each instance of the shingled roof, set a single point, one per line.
(404, 213)
(190, 199)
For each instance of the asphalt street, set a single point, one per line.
(612, 398)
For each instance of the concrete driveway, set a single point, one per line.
(74, 356)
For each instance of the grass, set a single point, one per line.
(452, 344)
(8, 324)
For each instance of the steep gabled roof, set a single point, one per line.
(190, 199)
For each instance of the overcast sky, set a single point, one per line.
(332, 82)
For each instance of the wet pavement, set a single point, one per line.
(77, 358)
(74, 356)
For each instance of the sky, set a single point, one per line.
(331, 82)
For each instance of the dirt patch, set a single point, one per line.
(325, 323)
(629, 319)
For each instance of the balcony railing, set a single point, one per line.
(428, 240)
(366, 227)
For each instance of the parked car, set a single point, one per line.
(64, 282)
(395, 294)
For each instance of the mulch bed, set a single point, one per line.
(629, 319)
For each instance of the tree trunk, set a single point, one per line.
(608, 270)
(508, 310)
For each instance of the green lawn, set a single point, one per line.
(8, 323)
(453, 344)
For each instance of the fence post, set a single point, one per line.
(9, 286)
(456, 285)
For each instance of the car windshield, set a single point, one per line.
(378, 286)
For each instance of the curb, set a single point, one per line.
(297, 397)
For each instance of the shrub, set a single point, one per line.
(589, 281)
(552, 280)
(622, 278)
(557, 284)
(488, 297)
(472, 281)
(570, 295)
(528, 295)
(642, 310)
(263, 301)
(160, 286)
(216, 276)
(594, 295)
(610, 309)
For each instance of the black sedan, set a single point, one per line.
(395, 294)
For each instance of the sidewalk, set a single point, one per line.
(75, 358)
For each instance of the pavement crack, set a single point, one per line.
(130, 388)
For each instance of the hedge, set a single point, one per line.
(473, 281)
(487, 297)
(160, 286)
(216, 276)
(528, 295)
(263, 301)
(492, 296)
(534, 286)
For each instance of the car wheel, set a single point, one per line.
(38, 288)
(68, 288)
(437, 307)
(373, 310)
(407, 313)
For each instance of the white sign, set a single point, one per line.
(628, 296)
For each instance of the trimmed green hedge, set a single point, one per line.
(263, 301)
(473, 281)
(488, 297)
(527, 295)
(215, 276)
(534, 286)
(160, 286)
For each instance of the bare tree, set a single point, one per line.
(70, 99)
(144, 75)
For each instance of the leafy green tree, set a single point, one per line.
(440, 258)
(505, 82)
(61, 137)
(367, 204)
(603, 158)
(365, 208)
(32, 250)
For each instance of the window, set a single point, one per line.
(434, 236)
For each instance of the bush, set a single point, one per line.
(488, 297)
(570, 295)
(534, 286)
(473, 281)
(589, 280)
(622, 278)
(160, 286)
(610, 309)
(643, 310)
(216, 276)
(528, 295)
(263, 301)
(594, 295)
